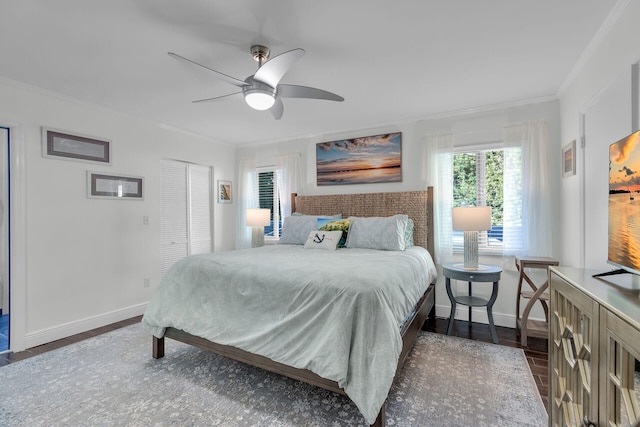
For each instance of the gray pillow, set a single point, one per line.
(336, 216)
(296, 229)
(408, 234)
(385, 233)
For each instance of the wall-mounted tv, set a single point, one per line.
(624, 205)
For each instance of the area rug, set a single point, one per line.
(111, 380)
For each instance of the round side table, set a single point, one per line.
(484, 273)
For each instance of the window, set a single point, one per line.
(479, 180)
(268, 198)
(526, 198)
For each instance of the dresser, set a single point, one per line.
(594, 349)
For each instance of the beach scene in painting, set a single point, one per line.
(365, 160)
(624, 202)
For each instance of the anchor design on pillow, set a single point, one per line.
(318, 239)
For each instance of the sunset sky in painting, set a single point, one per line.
(624, 164)
(371, 152)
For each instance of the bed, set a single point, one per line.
(322, 338)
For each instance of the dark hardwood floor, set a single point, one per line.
(536, 351)
(7, 358)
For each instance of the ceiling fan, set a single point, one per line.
(262, 90)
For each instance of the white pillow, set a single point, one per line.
(295, 229)
(385, 233)
(323, 240)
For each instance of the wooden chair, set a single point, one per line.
(529, 327)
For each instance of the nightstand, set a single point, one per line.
(484, 273)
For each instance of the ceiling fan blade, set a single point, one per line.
(215, 98)
(272, 71)
(277, 109)
(294, 91)
(222, 76)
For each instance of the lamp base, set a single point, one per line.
(471, 250)
(257, 237)
(480, 268)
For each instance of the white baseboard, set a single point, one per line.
(478, 314)
(54, 333)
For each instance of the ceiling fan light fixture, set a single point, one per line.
(259, 99)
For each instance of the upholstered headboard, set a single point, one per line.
(418, 205)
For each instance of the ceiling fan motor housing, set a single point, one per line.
(260, 53)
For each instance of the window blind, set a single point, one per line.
(269, 199)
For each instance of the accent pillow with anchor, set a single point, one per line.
(319, 239)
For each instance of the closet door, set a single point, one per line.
(185, 211)
(174, 234)
(199, 208)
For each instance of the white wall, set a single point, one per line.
(607, 120)
(476, 127)
(83, 261)
(596, 82)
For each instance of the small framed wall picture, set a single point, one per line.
(224, 191)
(63, 145)
(121, 187)
(569, 159)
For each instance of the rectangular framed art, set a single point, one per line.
(224, 191)
(569, 159)
(103, 186)
(59, 144)
(365, 160)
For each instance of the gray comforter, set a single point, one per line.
(336, 313)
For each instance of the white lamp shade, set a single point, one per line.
(259, 100)
(258, 217)
(473, 218)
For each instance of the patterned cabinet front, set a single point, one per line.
(573, 355)
(620, 376)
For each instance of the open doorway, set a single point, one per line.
(4, 239)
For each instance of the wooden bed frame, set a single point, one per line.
(417, 205)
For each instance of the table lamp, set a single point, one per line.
(258, 219)
(471, 220)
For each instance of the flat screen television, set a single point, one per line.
(624, 206)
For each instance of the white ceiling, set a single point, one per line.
(392, 61)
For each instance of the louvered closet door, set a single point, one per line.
(173, 213)
(185, 218)
(199, 209)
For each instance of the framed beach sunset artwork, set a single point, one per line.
(364, 160)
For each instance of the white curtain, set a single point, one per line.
(534, 202)
(527, 198)
(439, 162)
(288, 176)
(247, 197)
